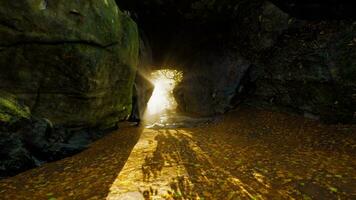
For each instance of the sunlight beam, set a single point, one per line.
(162, 99)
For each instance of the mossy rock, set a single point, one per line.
(72, 62)
(11, 110)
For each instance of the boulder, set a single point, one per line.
(13, 156)
(208, 88)
(272, 23)
(72, 62)
(67, 72)
(27, 141)
(311, 70)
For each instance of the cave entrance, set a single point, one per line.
(162, 103)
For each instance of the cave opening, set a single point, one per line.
(200, 99)
(162, 103)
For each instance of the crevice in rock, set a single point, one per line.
(37, 99)
(62, 42)
(9, 26)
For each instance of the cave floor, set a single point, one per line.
(249, 154)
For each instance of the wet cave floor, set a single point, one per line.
(249, 154)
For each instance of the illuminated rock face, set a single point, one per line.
(71, 62)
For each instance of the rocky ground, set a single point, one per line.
(249, 154)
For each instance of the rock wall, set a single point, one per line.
(143, 88)
(301, 66)
(27, 141)
(293, 55)
(71, 62)
(67, 70)
(209, 86)
(311, 70)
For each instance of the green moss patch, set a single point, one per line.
(11, 109)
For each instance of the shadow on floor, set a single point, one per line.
(249, 155)
(87, 175)
(204, 178)
(221, 165)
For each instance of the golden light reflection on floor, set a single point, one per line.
(250, 154)
(150, 174)
(169, 164)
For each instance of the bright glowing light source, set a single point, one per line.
(162, 99)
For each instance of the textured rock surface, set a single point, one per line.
(308, 66)
(13, 156)
(208, 87)
(143, 91)
(71, 62)
(311, 69)
(296, 64)
(66, 75)
(11, 110)
(143, 87)
(27, 141)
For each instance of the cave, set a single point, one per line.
(180, 100)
